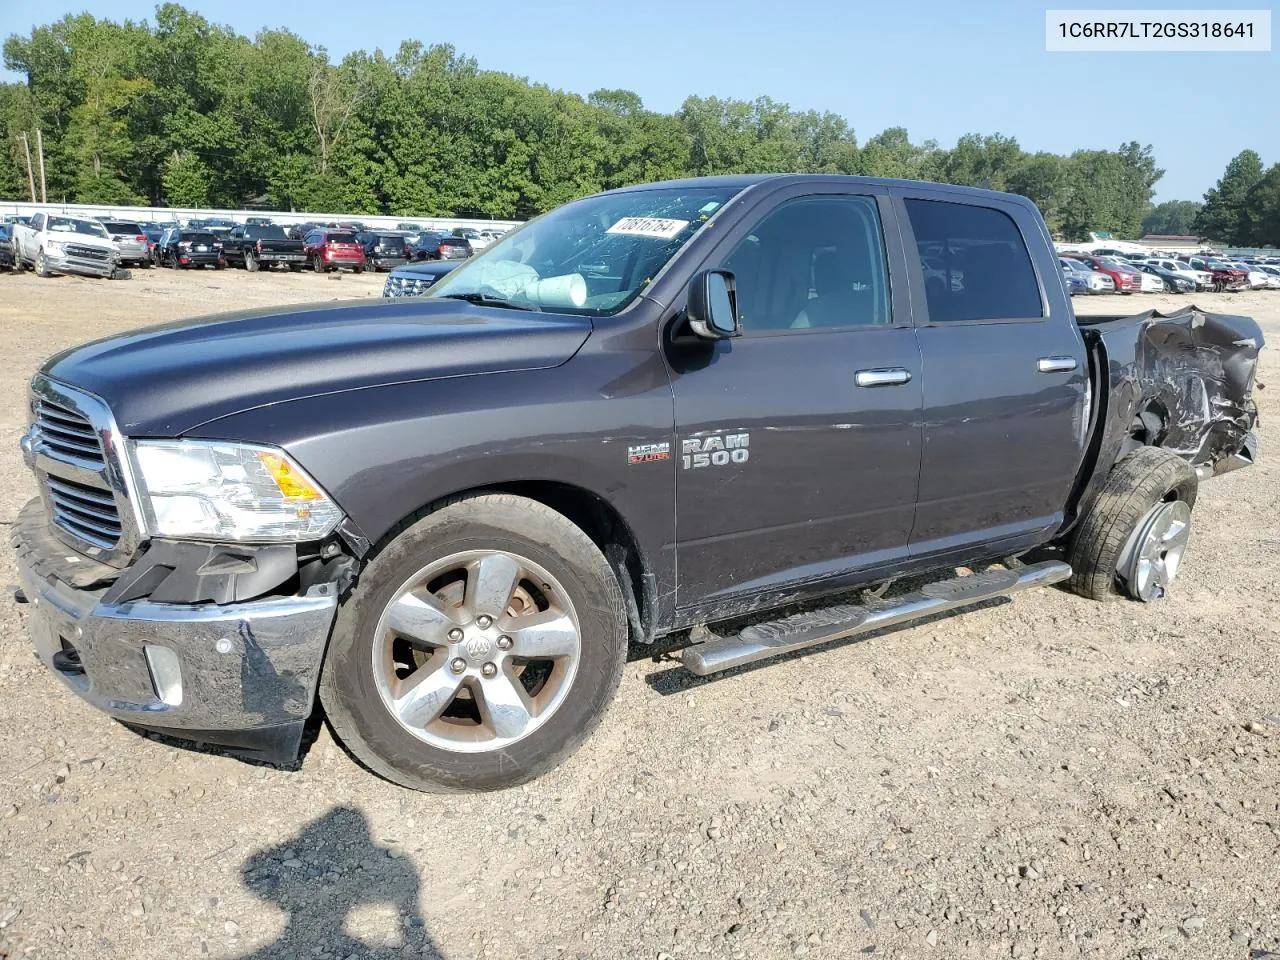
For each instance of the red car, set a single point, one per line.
(1126, 279)
(1225, 276)
(329, 250)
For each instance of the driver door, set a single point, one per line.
(798, 451)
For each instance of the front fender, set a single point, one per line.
(384, 453)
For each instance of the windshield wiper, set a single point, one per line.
(489, 300)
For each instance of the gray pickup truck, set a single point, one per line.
(756, 412)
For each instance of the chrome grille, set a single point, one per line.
(411, 286)
(78, 455)
(67, 434)
(86, 252)
(88, 513)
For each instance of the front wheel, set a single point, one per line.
(1133, 537)
(481, 647)
(42, 265)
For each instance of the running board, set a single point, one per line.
(761, 641)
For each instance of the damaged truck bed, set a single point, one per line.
(1182, 381)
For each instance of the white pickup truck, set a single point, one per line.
(52, 244)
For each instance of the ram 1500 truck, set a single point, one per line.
(739, 407)
(52, 244)
(262, 245)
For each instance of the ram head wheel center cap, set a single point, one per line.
(479, 647)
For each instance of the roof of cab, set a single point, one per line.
(744, 180)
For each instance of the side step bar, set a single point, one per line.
(776, 637)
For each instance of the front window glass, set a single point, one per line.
(813, 263)
(591, 257)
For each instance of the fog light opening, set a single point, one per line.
(166, 674)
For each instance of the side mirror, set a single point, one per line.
(713, 305)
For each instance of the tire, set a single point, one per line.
(1140, 484)
(251, 262)
(581, 582)
(317, 265)
(357, 269)
(42, 265)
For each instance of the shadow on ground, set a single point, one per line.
(337, 885)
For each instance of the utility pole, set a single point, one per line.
(31, 180)
(40, 154)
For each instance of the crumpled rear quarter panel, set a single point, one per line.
(1195, 369)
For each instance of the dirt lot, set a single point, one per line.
(1048, 777)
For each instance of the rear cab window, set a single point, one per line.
(975, 263)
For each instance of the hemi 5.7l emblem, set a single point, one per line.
(649, 452)
(717, 450)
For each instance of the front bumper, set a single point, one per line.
(81, 266)
(239, 675)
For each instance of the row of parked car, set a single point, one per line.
(1116, 272)
(102, 246)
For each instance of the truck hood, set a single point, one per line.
(164, 381)
(85, 239)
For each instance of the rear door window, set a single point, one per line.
(975, 263)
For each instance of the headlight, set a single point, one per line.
(214, 490)
(54, 248)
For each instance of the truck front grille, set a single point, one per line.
(78, 456)
(66, 434)
(85, 512)
(407, 286)
(87, 253)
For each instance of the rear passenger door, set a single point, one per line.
(1005, 374)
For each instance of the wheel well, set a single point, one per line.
(1148, 426)
(600, 521)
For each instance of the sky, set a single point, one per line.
(937, 67)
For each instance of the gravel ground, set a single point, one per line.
(1046, 777)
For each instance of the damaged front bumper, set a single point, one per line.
(238, 675)
(82, 266)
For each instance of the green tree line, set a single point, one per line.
(185, 112)
(1243, 208)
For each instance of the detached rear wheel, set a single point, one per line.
(1132, 540)
(480, 648)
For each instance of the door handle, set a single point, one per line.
(882, 378)
(1056, 364)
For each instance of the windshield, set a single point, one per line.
(265, 232)
(69, 225)
(590, 257)
(120, 226)
(341, 238)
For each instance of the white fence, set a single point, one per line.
(89, 210)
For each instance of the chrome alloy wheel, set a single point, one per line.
(476, 650)
(1153, 553)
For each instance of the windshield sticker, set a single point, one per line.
(658, 227)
